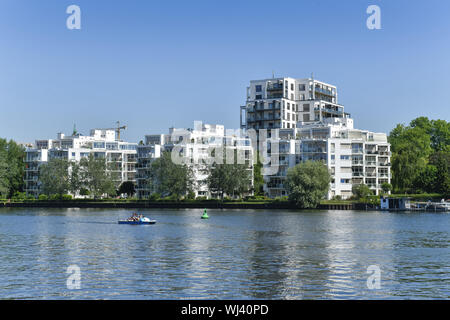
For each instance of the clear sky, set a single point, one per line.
(156, 64)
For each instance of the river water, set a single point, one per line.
(236, 254)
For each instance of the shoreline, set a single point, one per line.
(177, 205)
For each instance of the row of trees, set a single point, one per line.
(12, 168)
(421, 156)
(88, 177)
(177, 180)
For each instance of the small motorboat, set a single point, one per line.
(135, 219)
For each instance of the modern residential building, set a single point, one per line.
(101, 143)
(310, 124)
(353, 156)
(279, 103)
(196, 146)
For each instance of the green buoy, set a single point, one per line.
(205, 215)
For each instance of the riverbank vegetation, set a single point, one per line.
(421, 157)
(12, 168)
(420, 164)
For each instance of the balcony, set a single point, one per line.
(324, 91)
(357, 174)
(384, 164)
(275, 96)
(275, 86)
(275, 186)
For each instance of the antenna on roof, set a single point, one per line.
(74, 133)
(273, 74)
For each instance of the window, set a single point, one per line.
(99, 145)
(345, 157)
(301, 87)
(73, 154)
(306, 107)
(289, 106)
(258, 96)
(292, 86)
(258, 88)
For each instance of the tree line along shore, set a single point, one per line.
(420, 165)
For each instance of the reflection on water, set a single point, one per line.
(237, 254)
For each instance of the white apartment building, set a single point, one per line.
(196, 146)
(101, 143)
(279, 103)
(353, 156)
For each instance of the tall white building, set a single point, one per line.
(196, 146)
(279, 103)
(310, 124)
(101, 143)
(353, 156)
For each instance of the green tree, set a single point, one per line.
(411, 147)
(231, 179)
(361, 191)
(16, 166)
(75, 178)
(441, 160)
(258, 179)
(127, 187)
(12, 156)
(419, 155)
(170, 179)
(54, 177)
(307, 183)
(4, 183)
(425, 181)
(95, 176)
(386, 187)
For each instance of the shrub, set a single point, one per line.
(84, 192)
(66, 197)
(55, 197)
(201, 198)
(191, 195)
(361, 191)
(19, 195)
(43, 197)
(154, 197)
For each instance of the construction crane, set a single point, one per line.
(117, 129)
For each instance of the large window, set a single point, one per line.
(258, 88)
(99, 145)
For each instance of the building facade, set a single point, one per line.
(196, 147)
(120, 156)
(280, 103)
(304, 121)
(352, 156)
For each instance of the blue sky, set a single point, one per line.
(156, 64)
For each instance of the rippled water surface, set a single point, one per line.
(236, 254)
